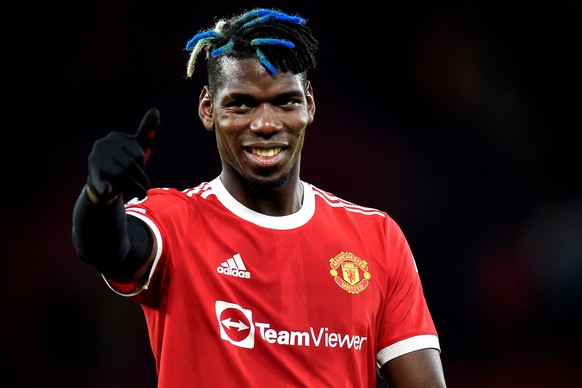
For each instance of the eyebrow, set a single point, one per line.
(247, 96)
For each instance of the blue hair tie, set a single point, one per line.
(201, 36)
(223, 49)
(266, 62)
(275, 16)
(256, 12)
(264, 15)
(272, 41)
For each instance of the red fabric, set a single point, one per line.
(311, 305)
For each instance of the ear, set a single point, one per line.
(310, 102)
(206, 109)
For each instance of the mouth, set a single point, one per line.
(266, 152)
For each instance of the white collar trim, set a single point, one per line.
(287, 222)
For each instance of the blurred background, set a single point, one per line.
(460, 119)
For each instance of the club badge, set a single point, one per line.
(350, 272)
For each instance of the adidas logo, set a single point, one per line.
(234, 267)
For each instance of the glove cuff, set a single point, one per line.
(99, 199)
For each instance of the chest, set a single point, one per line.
(318, 276)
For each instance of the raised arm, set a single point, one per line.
(118, 246)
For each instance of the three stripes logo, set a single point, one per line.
(234, 267)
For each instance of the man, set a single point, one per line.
(256, 277)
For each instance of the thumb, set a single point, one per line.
(146, 133)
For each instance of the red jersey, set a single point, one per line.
(236, 298)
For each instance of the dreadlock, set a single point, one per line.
(281, 42)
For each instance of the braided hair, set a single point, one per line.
(281, 42)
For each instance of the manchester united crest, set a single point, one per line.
(350, 272)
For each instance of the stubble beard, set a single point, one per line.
(262, 185)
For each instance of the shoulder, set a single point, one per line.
(166, 198)
(361, 216)
(338, 204)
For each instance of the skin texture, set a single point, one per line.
(419, 369)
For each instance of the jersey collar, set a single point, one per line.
(287, 222)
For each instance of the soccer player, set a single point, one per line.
(256, 278)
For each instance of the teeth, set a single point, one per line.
(266, 153)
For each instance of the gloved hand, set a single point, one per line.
(117, 161)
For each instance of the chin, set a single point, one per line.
(266, 183)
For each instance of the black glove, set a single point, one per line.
(117, 161)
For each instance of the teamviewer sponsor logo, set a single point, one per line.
(237, 327)
(234, 267)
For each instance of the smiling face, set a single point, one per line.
(259, 120)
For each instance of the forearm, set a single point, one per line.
(105, 238)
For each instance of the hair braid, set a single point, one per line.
(281, 42)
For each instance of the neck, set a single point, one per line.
(273, 200)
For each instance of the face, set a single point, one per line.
(259, 120)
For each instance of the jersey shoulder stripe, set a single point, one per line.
(203, 189)
(337, 202)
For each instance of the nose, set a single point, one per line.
(266, 121)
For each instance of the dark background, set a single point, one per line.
(460, 119)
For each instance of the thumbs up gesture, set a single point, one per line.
(117, 161)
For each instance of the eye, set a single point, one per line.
(239, 105)
(289, 102)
